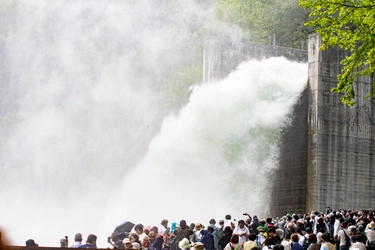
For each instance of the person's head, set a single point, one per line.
(91, 239)
(164, 222)
(326, 237)
(268, 241)
(278, 247)
(212, 222)
(287, 237)
(198, 246)
(221, 222)
(145, 242)
(272, 231)
(358, 238)
(241, 223)
(228, 217)
(78, 237)
(127, 244)
(312, 238)
(183, 224)
(136, 245)
(234, 239)
(138, 229)
(351, 230)
(294, 237)
(227, 230)
(210, 229)
(31, 243)
(151, 236)
(269, 220)
(134, 238)
(319, 236)
(155, 230)
(252, 237)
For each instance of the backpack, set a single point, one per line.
(347, 239)
(330, 246)
(306, 243)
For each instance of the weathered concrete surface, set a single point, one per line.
(341, 140)
(222, 56)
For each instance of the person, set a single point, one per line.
(207, 238)
(304, 239)
(228, 222)
(286, 242)
(215, 233)
(64, 242)
(295, 244)
(242, 231)
(31, 243)
(312, 242)
(158, 244)
(233, 244)
(250, 244)
(268, 243)
(90, 242)
(182, 232)
(77, 240)
(274, 236)
(359, 243)
(337, 226)
(321, 226)
(163, 226)
(133, 237)
(327, 245)
(260, 237)
(127, 244)
(225, 239)
(278, 247)
(139, 231)
(198, 246)
(136, 245)
(197, 231)
(145, 243)
(370, 233)
(343, 237)
(184, 244)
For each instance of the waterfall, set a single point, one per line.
(84, 143)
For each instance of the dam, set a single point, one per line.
(327, 155)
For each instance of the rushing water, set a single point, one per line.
(84, 145)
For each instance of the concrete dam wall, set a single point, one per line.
(327, 155)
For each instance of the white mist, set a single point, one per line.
(78, 151)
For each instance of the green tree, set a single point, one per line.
(350, 25)
(260, 19)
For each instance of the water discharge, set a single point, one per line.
(84, 141)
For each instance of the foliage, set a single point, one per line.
(263, 18)
(350, 25)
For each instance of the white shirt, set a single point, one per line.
(336, 227)
(161, 229)
(240, 231)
